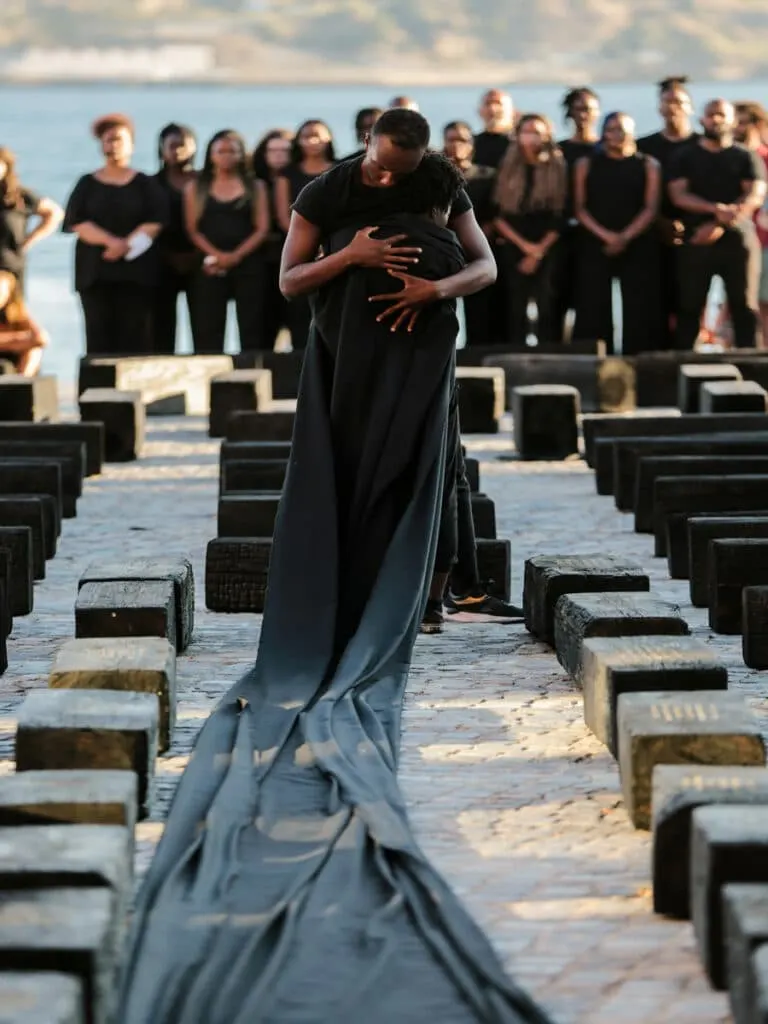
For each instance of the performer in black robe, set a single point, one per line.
(287, 887)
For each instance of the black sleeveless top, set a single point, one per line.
(226, 224)
(615, 192)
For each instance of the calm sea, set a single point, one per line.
(47, 127)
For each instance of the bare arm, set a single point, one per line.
(480, 270)
(283, 203)
(153, 230)
(92, 234)
(685, 200)
(583, 216)
(647, 215)
(51, 216)
(753, 197)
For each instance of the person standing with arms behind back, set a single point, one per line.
(227, 217)
(116, 213)
(179, 259)
(718, 185)
(675, 108)
(498, 117)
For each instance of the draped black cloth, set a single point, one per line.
(287, 886)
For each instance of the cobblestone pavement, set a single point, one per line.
(516, 802)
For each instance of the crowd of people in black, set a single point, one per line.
(662, 215)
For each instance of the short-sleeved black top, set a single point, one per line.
(119, 209)
(717, 176)
(490, 148)
(339, 198)
(615, 189)
(665, 151)
(13, 231)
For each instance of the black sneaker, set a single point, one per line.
(483, 605)
(433, 617)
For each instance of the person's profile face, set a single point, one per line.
(386, 163)
(278, 154)
(117, 143)
(458, 144)
(718, 119)
(226, 154)
(314, 139)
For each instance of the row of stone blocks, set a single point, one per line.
(691, 755)
(85, 760)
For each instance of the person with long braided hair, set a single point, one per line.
(530, 197)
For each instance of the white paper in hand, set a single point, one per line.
(138, 246)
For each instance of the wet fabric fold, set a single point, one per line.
(288, 887)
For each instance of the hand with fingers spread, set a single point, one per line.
(408, 302)
(383, 253)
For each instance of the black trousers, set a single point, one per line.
(669, 294)
(273, 309)
(485, 315)
(165, 310)
(637, 270)
(520, 289)
(456, 543)
(212, 296)
(118, 318)
(735, 259)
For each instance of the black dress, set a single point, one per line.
(116, 297)
(615, 195)
(566, 270)
(287, 886)
(299, 312)
(179, 262)
(227, 224)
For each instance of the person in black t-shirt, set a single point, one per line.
(116, 213)
(179, 259)
(581, 107)
(675, 108)
(19, 205)
(271, 157)
(530, 196)
(717, 186)
(313, 154)
(616, 199)
(498, 116)
(227, 216)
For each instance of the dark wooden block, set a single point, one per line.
(71, 481)
(472, 469)
(20, 512)
(124, 419)
(71, 454)
(678, 789)
(173, 569)
(248, 515)
(697, 727)
(704, 529)
(69, 798)
(545, 419)
(480, 392)
(692, 376)
(238, 390)
(652, 468)
(728, 844)
(611, 666)
(33, 477)
(90, 729)
(745, 912)
(134, 608)
(625, 427)
(236, 574)
(578, 616)
(483, 516)
(254, 451)
(284, 366)
(29, 399)
(16, 541)
(627, 455)
(732, 396)
(603, 383)
(755, 627)
(494, 559)
(73, 932)
(548, 577)
(251, 475)
(38, 997)
(734, 563)
(89, 434)
(51, 520)
(260, 426)
(740, 493)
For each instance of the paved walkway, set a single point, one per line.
(515, 801)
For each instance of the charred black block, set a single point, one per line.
(692, 376)
(29, 399)
(603, 383)
(704, 529)
(254, 451)
(692, 494)
(755, 627)
(237, 391)
(548, 577)
(678, 789)
(248, 515)
(17, 542)
(236, 574)
(27, 512)
(734, 563)
(480, 391)
(494, 563)
(251, 475)
(545, 421)
(284, 366)
(484, 516)
(732, 396)
(260, 426)
(135, 608)
(89, 434)
(73, 456)
(34, 476)
(124, 419)
(71, 477)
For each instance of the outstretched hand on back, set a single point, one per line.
(408, 302)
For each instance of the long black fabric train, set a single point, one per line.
(287, 887)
